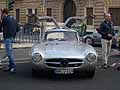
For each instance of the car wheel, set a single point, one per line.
(89, 73)
(40, 73)
(89, 41)
(118, 46)
(35, 73)
(118, 68)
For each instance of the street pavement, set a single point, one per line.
(19, 45)
(104, 79)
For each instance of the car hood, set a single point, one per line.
(63, 49)
(68, 50)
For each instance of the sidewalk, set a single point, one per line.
(114, 52)
(19, 45)
(15, 46)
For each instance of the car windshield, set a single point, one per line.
(60, 36)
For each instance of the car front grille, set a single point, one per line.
(64, 62)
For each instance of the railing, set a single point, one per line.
(29, 35)
(33, 32)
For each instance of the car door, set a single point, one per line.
(97, 38)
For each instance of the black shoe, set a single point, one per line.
(6, 69)
(12, 70)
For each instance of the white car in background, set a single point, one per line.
(94, 38)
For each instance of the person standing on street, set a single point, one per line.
(8, 27)
(107, 32)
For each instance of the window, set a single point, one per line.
(115, 15)
(18, 15)
(49, 11)
(32, 19)
(89, 12)
(29, 18)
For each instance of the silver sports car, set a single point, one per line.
(61, 52)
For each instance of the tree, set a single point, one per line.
(10, 4)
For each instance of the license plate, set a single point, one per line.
(64, 71)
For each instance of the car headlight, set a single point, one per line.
(91, 57)
(36, 57)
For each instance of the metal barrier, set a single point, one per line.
(34, 32)
(28, 35)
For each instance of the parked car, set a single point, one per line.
(94, 38)
(118, 40)
(61, 52)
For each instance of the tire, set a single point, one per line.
(89, 73)
(119, 45)
(118, 68)
(35, 73)
(40, 73)
(89, 41)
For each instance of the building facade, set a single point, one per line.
(62, 9)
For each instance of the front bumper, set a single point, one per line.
(86, 66)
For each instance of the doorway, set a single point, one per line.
(69, 9)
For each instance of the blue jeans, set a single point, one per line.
(9, 51)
